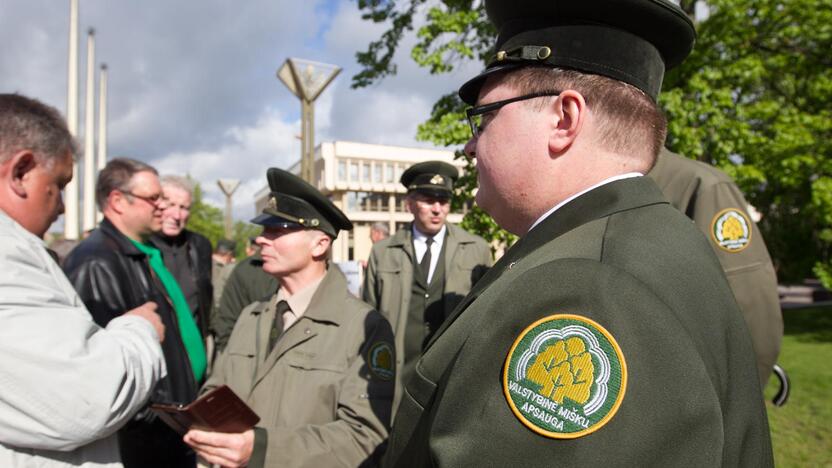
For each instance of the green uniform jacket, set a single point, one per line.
(320, 400)
(388, 280)
(703, 192)
(621, 256)
(246, 283)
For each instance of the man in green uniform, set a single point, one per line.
(713, 201)
(417, 277)
(315, 363)
(608, 334)
(246, 283)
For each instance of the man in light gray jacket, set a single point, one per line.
(66, 385)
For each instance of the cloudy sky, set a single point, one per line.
(192, 86)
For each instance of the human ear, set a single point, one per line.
(570, 111)
(22, 164)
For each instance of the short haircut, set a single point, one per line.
(117, 175)
(381, 227)
(28, 124)
(184, 183)
(628, 120)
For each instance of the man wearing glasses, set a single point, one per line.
(417, 277)
(117, 269)
(608, 334)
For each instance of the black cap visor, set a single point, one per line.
(270, 220)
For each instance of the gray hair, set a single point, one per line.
(117, 175)
(381, 227)
(28, 124)
(184, 183)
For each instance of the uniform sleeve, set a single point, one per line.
(749, 271)
(362, 422)
(65, 381)
(369, 294)
(231, 303)
(671, 411)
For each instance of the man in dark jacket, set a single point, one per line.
(187, 255)
(115, 269)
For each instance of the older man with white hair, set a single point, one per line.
(187, 254)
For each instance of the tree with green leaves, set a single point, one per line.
(754, 99)
(209, 221)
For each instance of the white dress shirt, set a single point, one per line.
(420, 246)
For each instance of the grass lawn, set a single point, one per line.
(801, 431)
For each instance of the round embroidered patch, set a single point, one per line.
(731, 230)
(565, 376)
(381, 361)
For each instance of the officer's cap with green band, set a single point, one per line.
(294, 203)
(433, 178)
(633, 41)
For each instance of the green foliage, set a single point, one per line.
(754, 99)
(205, 219)
(209, 221)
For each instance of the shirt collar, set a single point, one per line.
(603, 182)
(419, 236)
(299, 301)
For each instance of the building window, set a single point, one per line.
(377, 172)
(342, 171)
(353, 172)
(388, 173)
(359, 201)
(401, 206)
(365, 171)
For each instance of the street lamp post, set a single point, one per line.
(307, 80)
(228, 186)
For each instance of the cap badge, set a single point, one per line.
(272, 203)
(565, 376)
(731, 230)
(437, 180)
(314, 222)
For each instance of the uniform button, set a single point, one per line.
(427, 296)
(307, 331)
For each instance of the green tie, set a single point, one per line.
(191, 337)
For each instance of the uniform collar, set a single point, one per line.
(299, 301)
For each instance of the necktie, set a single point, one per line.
(424, 265)
(277, 324)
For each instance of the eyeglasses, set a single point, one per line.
(475, 114)
(153, 200)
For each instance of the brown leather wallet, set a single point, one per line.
(219, 410)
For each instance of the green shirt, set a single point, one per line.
(191, 337)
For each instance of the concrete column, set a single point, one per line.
(71, 189)
(89, 137)
(102, 127)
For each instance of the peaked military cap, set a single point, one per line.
(633, 41)
(434, 178)
(226, 245)
(293, 202)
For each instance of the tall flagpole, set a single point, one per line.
(71, 190)
(102, 123)
(89, 137)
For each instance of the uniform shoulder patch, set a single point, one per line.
(381, 360)
(731, 230)
(565, 376)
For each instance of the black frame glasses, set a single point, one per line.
(155, 200)
(474, 114)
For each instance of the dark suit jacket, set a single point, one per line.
(622, 257)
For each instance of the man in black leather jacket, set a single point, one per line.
(112, 272)
(187, 254)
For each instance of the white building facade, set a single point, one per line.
(363, 181)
